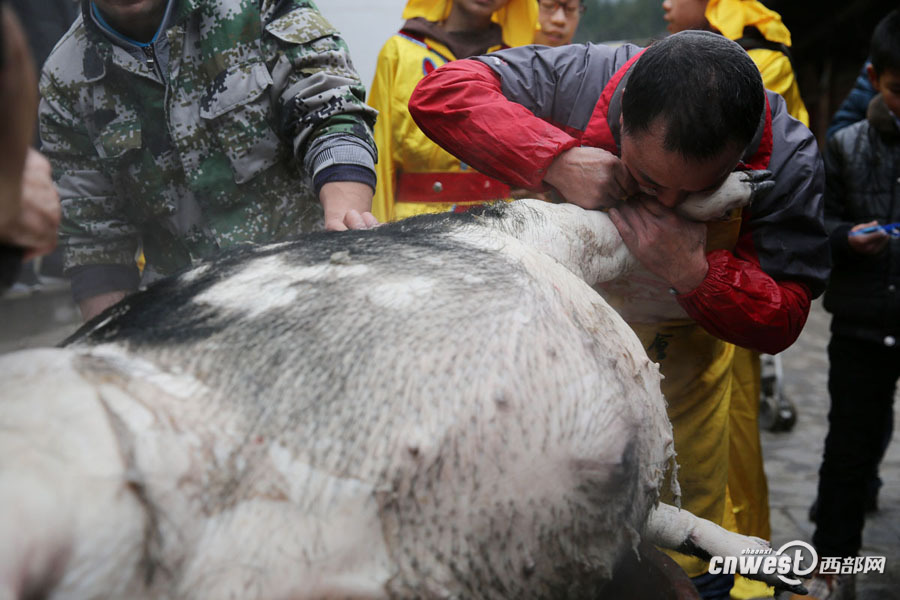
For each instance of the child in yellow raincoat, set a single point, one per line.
(415, 175)
(761, 32)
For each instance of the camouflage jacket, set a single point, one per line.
(208, 154)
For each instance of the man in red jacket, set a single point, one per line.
(637, 131)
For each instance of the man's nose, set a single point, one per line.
(667, 5)
(558, 15)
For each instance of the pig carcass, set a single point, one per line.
(438, 408)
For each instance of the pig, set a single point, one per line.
(438, 408)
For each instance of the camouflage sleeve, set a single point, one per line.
(319, 91)
(95, 229)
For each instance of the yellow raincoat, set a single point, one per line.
(730, 17)
(410, 166)
(747, 506)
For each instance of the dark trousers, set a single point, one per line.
(862, 380)
(713, 587)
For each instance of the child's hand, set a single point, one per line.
(868, 243)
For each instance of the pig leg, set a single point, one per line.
(675, 529)
(69, 524)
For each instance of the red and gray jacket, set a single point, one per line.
(512, 113)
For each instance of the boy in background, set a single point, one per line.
(557, 21)
(863, 295)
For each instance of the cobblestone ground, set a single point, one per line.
(46, 317)
(793, 458)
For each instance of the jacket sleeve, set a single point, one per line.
(380, 95)
(95, 230)
(510, 113)
(461, 106)
(758, 296)
(740, 303)
(838, 222)
(319, 94)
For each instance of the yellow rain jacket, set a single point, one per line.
(731, 17)
(415, 175)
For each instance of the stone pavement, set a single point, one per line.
(793, 459)
(37, 316)
(45, 317)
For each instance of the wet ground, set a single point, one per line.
(44, 317)
(793, 458)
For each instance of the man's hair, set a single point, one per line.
(704, 87)
(885, 45)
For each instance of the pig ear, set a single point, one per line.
(738, 190)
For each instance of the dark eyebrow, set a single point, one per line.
(647, 178)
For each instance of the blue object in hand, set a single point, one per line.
(892, 229)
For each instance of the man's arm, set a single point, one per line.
(321, 103)
(514, 114)
(758, 295)
(99, 242)
(461, 106)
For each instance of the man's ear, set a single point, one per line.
(873, 77)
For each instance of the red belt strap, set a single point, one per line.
(450, 188)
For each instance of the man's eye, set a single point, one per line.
(648, 190)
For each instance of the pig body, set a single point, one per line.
(439, 408)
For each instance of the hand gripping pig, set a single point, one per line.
(438, 408)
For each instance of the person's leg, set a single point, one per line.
(861, 383)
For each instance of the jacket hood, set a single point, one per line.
(731, 16)
(518, 18)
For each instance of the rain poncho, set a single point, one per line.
(733, 17)
(415, 175)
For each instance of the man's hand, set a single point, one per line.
(738, 190)
(34, 227)
(665, 243)
(868, 243)
(347, 205)
(591, 178)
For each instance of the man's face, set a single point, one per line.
(558, 20)
(888, 85)
(685, 14)
(132, 15)
(669, 176)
